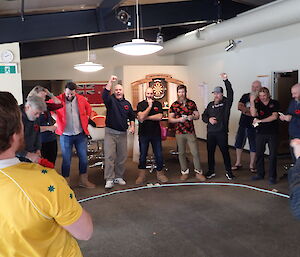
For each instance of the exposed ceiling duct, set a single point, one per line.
(271, 16)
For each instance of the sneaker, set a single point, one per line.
(109, 184)
(184, 175)
(229, 175)
(210, 174)
(120, 181)
(161, 177)
(257, 177)
(199, 175)
(272, 181)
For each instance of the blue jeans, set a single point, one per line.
(157, 150)
(242, 134)
(80, 143)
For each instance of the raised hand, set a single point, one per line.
(224, 76)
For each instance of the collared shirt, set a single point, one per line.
(150, 127)
(294, 125)
(36, 203)
(180, 109)
(119, 112)
(73, 124)
(265, 111)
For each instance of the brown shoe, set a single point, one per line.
(161, 176)
(184, 177)
(84, 182)
(200, 176)
(141, 178)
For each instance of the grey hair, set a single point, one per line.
(36, 90)
(36, 102)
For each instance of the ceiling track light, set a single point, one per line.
(138, 46)
(232, 44)
(88, 66)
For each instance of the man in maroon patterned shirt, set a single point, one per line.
(182, 113)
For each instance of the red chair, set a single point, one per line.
(99, 120)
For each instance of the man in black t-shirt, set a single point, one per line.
(149, 115)
(246, 129)
(265, 112)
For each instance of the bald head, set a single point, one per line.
(256, 86)
(149, 93)
(118, 91)
(295, 90)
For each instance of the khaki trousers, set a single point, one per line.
(115, 151)
(191, 140)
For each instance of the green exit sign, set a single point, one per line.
(8, 68)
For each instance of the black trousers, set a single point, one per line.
(49, 151)
(218, 139)
(261, 142)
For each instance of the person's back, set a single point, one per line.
(31, 217)
(39, 214)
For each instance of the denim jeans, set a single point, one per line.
(80, 143)
(155, 141)
(242, 134)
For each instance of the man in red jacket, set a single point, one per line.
(72, 122)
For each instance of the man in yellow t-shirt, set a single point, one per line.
(39, 214)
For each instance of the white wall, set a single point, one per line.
(60, 67)
(12, 82)
(259, 54)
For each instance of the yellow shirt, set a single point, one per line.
(35, 202)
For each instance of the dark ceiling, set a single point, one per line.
(49, 33)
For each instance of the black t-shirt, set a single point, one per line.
(150, 127)
(245, 120)
(265, 111)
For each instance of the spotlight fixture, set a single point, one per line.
(88, 66)
(123, 16)
(137, 46)
(232, 44)
(160, 37)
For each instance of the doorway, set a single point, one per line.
(282, 83)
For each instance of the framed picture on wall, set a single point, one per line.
(92, 91)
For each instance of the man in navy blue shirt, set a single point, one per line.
(293, 116)
(119, 112)
(294, 179)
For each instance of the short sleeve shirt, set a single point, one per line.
(245, 120)
(294, 124)
(181, 109)
(265, 111)
(35, 203)
(150, 127)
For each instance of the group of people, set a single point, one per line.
(149, 114)
(67, 115)
(45, 216)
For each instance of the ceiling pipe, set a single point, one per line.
(267, 17)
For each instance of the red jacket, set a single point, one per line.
(84, 109)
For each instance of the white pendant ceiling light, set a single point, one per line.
(88, 66)
(138, 46)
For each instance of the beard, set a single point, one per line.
(70, 99)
